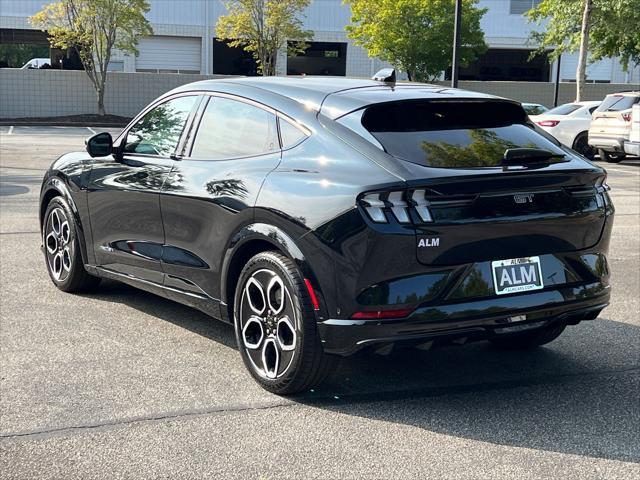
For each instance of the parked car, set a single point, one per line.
(321, 216)
(36, 63)
(611, 125)
(569, 123)
(534, 108)
(632, 147)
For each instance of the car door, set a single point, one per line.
(124, 191)
(211, 191)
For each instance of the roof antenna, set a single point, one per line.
(386, 75)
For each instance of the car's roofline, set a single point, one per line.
(333, 96)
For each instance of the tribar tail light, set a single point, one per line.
(398, 205)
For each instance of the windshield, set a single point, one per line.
(452, 134)
(565, 109)
(617, 103)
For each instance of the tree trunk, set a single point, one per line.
(100, 95)
(581, 72)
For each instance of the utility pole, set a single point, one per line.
(456, 45)
(556, 87)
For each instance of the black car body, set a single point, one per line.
(393, 201)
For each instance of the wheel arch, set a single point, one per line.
(249, 241)
(577, 136)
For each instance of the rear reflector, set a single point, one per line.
(398, 313)
(548, 123)
(312, 294)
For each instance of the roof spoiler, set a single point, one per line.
(386, 75)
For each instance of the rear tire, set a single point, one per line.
(581, 145)
(610, 157)
(528, 340)
(275, 326)
(62, 249)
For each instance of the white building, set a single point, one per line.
(184, 41)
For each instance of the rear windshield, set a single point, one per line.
(452, 134)
(565, 109)
(617, 103)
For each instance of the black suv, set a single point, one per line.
(323, 215)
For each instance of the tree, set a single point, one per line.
(416, 35)
(262, 27)
(94, 28)
(596, 28)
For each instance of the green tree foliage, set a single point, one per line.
(416, 35)
(94, 28)
(598, 28)
(262, 27)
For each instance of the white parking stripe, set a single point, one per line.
(10, 130)
(91, 130)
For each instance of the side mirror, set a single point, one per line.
(100, 145)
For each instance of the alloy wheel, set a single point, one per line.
(268, 324)
(58, 244)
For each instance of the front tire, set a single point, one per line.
(528, 340)
(62, 249)
(611, 157)
(276, 328)
(581, 145)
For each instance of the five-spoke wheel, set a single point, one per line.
(276, 326)
(58, 244)
(62, 249)
(268, 323)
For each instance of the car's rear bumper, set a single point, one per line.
(608, 144)
(632, 148)
(471, 320)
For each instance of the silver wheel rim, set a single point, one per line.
(268, 324)
(58, 244)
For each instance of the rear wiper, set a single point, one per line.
(524, 156)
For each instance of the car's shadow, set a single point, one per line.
(579, 395)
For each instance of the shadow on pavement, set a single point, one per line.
(578, 395)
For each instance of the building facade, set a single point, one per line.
(184, 42)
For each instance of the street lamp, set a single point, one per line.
(456, 45)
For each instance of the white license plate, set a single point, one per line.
(517, 275)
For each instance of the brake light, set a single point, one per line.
(398, 203)
(626, 116)
(376, 314)
(548, 123)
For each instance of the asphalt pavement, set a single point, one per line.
(120, 383)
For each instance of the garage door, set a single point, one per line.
(169, 54)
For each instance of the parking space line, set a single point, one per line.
(91, 130)
(10, 130)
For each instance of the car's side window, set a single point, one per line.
(234, 129)
(290, 134)
(158, 132)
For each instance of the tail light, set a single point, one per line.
(626, 116)
(398, 204)
(548, 123)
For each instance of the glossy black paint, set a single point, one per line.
(183, 227)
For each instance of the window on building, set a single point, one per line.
(234, 129)
(158, 132)
(520, 7)
(507, 65)
(320, 58)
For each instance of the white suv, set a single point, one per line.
(611, 125)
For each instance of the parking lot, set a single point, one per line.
(120, 383)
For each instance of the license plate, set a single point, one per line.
(517, 275)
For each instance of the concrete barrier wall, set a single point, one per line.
(542, 92)
(46, 93)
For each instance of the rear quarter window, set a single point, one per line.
(453, 134)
